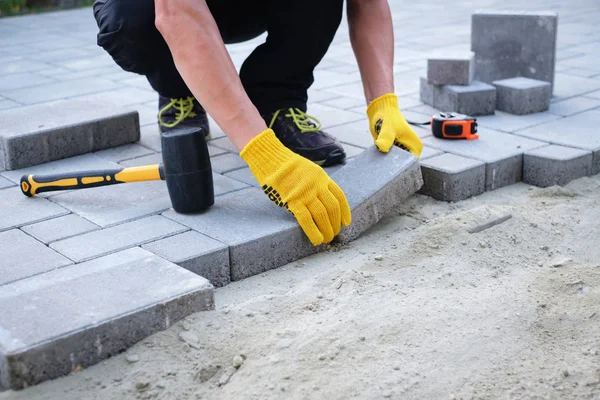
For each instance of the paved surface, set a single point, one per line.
(52, 57)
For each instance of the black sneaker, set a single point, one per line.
(181, 112)
(297, 131)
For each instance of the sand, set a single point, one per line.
(417, 308)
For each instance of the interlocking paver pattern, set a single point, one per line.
(53, 58)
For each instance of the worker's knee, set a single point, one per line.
(125, 29)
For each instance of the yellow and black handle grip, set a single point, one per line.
(34, 184)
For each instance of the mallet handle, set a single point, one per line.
(34, 184)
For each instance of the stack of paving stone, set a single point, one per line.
(510, 67)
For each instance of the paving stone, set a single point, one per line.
(514, 43)
(243, 175)
(59, 228)
(62, 129)
(329, 116)
(215, 151)
(429, 152)
(17, 210)
(227, 162)
(225, 144)
(371, 195)
(197, 253)
(5, 183)
(594, 95)
(578, 131)
(82, 314)
(6, 104)
(449, 177)
(122, 153)
(325, 79)
(501, 152)
(150, 137)
(345, 103)
(505, 122)
(27, 79)
(122, 96)
(224, 185)
(573, 105)
(109, 240)
(150, 159)
(450, 69)
(22, 256)
(566, 86)
(427, 91)
(21, 66)
(522, 96)
(116, 204)
(61, 90)
(260, 235)
(555, 165)
(475, 99)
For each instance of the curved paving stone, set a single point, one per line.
(82, 314)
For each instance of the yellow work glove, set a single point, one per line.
(299, 185)
(389, 127)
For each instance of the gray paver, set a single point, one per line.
(243, 175)
(573, 106)
(109, 240)
(5, 183)
(17, 210)
(429, 152)
(224, 185)
(450, 69)
(566, 86)
(27, 79)
(195, 252)
(61, 90)
(356, 134)
(501, 152)
(20, 66)
(6, 104)
(224, 143)
(522, 96)
(123, 153)
(505, 122)
(62, 129)
(227, 162)
(449, 177)
(82, 314)
(579, 131)
(427, 91)
(23, 256)
(372, 196)
(555, 165)
(110, 205)
(234, 220)
(59, 228)
(329, 116)
(514, 43)
(150, 137)
(475, 99)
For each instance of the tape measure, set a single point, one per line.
(452, 126)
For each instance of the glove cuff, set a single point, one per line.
(265, 153)
(381, 103)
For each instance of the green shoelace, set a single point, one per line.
(184, 107)
(304, 122)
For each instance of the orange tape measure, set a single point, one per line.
(452, 126)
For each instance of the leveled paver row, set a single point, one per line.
(126, 293)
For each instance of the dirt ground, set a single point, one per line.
(417, 308)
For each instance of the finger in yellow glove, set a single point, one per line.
(299, 185)
(388, 126)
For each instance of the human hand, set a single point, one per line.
(388, 126)
(299, 185)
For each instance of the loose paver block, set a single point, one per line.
(17, 210)
(522, 96)
(475, 99)
(578, 131)
(109, 240)
(501, 152)
(449, 177)
(195, 252)
(59, 228)
(82, 314)
(23, 256)
(514, 43)
(375, 183)
(555, 165)
(260, 235)
(62, 129)
(450, 69)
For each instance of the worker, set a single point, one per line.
(179, 45)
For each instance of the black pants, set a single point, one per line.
(276, 75)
